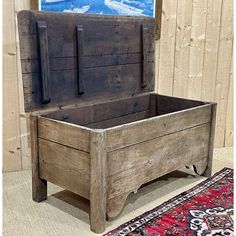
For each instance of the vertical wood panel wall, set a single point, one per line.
(195, 57)
(194, 60)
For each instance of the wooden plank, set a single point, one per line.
(98, 181)
(223, 69)
(158, 17)
(44, 62)
(69, 63)
(34, 4)
(167, 47)
(167, 104)
(11, 124)
(130, 167)
(101, 112)
(208, 171)
(120, 120)
(118, 81)
(39, 186)
(197, 44)
(211, 50)
(64, 133)
(80, 60)
(141, 131)
(229, 129)
(183, 32)
(100, 31)
(24, 118)
(145, 42)
(64, 166)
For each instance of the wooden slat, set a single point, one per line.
(80, 58)
(24, 118)
(145, 42)
(39, 186)
(197, 43)
(44, 62)
(167, 104)
(229, 129)
(158, 17)
(64, 166)
(118, 81)
(183, 32)
(98, 181)
(103, 111)
(69, 63)
(11, 127)
(137, 132)
(167, 47)
(120, 120)
(211, 49)
(223, 69)
(130, 167)
(64, 133)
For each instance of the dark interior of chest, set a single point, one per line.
(114, 113)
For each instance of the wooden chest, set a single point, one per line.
(97, 127)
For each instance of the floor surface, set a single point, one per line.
(55, 216)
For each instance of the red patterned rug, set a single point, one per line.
(206, 209)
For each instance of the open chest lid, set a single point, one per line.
(71, 58)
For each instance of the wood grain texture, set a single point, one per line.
(223, 69)
(167, 47)
(208, 171)
(211, 49)
(229, 132)
(211, 34)
(100, 112)
(64, 133)
(64, 166)
(39, 186)
(103, 36)
(181, 57)
(11, 126)
(197, 46)
(140, 131)
(98, 181)
(132, 166)
(24, 118)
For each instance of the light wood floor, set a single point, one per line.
(23, 217)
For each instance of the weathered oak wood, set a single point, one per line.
(103, 111)
(129, 134)
(80, 58)
(132, 166)
(64, 133)
(39, 186)
(65, 166)
(208, 171)
(200, 166)
(98, 181)
(116, 74)
(44, 62)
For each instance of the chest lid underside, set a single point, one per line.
(74, 58)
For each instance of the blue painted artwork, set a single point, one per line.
(112, 7)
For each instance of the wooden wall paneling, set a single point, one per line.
(197, 43)
(11, 126)
(223, 70)
(229, 130)
(183, 33)
(211, 49)
(167, 47)
(24, 118)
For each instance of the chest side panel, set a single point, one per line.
(74, 58)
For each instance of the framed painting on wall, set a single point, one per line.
(111, 7)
